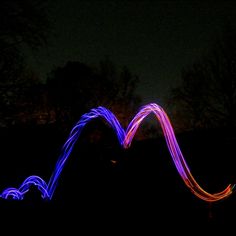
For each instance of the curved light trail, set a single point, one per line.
(125, 138)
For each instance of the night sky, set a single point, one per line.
(155, 39)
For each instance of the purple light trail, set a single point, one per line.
(125, 139)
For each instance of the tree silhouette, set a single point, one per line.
(76, 87)
(207, 95)
(23, 24)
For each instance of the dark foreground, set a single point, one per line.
(104, 189)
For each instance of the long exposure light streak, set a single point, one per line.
(125, 139)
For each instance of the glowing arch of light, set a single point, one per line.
(125, 138)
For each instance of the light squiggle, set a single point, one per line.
(125, 138)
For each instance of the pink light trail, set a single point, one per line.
(125, 138)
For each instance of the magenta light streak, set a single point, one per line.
(125, 139)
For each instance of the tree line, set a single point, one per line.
(206, 97)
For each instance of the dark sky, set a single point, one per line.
(155, 39)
